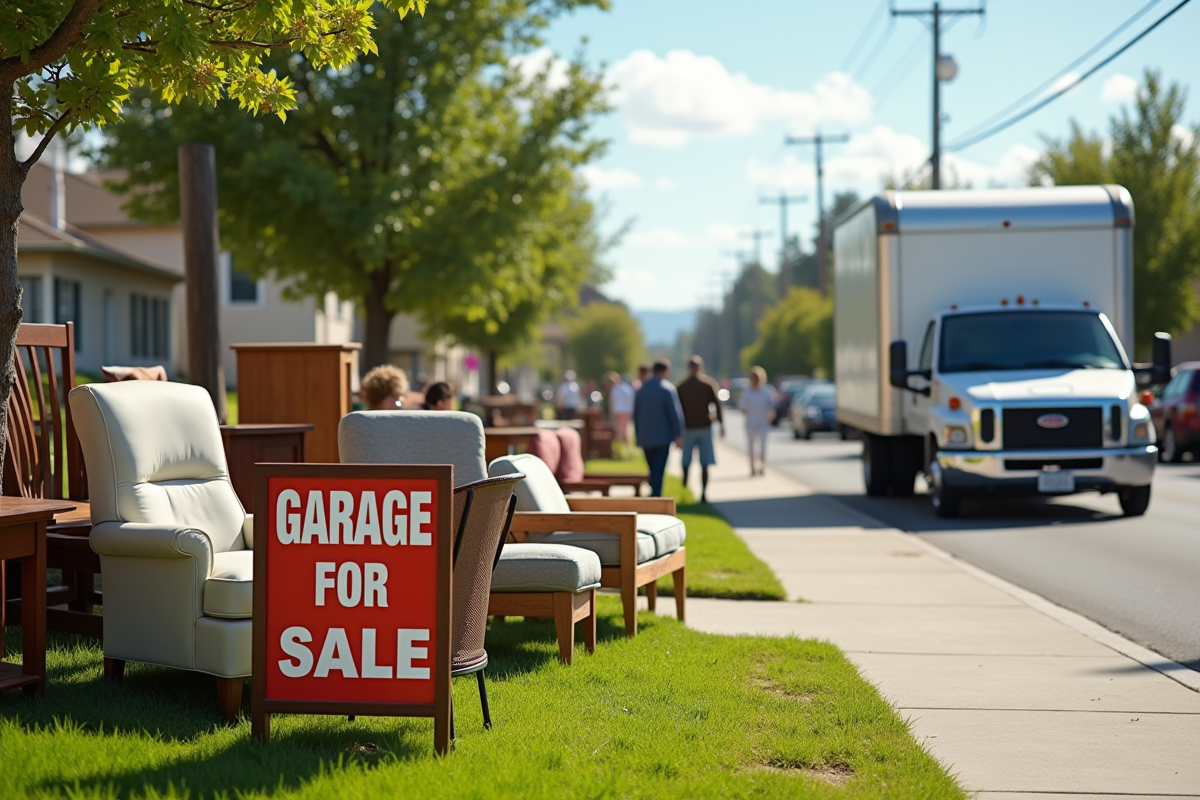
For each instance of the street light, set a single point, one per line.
(946, 69)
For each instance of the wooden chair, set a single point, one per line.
(638, 539)
(43, 460)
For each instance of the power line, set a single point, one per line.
(1037, 90)
(1013, 120)
(896, 75)
(862, 37)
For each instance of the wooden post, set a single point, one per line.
(201, 250)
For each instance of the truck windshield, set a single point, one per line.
(1011, 340)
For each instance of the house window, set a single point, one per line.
(149, 326)
(31, 299)
(68, 296)
(242, 287)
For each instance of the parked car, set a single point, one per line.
(813, 410)
(785, 394)
(1175, 416)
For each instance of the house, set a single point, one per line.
(81, 258)
(120, 300)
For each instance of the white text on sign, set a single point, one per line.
(336, 655)
(401, 519)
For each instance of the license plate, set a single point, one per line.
(1056, 481)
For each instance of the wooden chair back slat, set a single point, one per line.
(44, 458)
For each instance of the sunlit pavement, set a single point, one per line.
(1017, 696)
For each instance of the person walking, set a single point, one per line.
(568, 398)
(698, 397)
(620, 406)
(758, 404)
(658, 421)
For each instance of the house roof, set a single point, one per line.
(89, 203)
(34, 234)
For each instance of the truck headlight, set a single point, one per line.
(1141, 429)
(955, 436)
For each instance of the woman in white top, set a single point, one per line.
(758, 404)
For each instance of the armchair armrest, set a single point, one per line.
(616, 477)
(248, 531)
(146, 540)
(540, 522)
(641, 505)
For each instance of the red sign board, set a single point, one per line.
(352, 591)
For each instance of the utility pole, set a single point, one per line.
(201, 250)
(944, 70)
(783, 200)
(817, 141)
(755, 273)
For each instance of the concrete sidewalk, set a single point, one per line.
(1016, 696)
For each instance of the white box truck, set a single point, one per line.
(1018, 305)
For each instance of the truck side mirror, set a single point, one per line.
(898, 364)
(1161, 370)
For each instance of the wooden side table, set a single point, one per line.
(502, 441)
(247, 445)
(23, 524)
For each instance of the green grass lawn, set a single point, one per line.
(672, 713)
(720, 564)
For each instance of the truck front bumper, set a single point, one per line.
(975, 471)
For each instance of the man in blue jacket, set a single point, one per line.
(658, 421)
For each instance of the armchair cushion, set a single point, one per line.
(545, 568)
(669, 533)
(539, 491)
(415, 437)
(607, 546)
(154, 455)
(229, 590)
(545, 446)
(570, 462)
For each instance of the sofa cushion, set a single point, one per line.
(545, 568)
(669, 533)
(539, 491)
(605, 545)
(570, 461)
(229, 590)
(544, 445)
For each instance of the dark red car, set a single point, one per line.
(1175, 414)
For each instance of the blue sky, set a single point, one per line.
(706, 90)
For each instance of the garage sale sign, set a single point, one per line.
(352, 568)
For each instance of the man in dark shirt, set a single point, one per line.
(657, 421)
(697, 396)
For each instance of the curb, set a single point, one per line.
(1177, 672)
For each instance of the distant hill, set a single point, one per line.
(663, 327)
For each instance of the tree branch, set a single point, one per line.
(45, 142)
(65, 36)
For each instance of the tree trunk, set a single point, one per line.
(378, 325)
(12, 177)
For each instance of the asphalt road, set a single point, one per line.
(1139, 577)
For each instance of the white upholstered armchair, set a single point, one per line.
(173, 538)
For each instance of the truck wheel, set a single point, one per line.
(947, 503)
(877, 464)
(1170, 452)
(1134, 500)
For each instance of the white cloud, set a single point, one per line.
(667, 101)
(1119, 89)
(664, 184)
(868, 158)
(600, 179)
(542, 60)
(658, 239)
(722, 233)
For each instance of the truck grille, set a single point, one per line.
(1084, 428)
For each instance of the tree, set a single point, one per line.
(803, 266)
(544, 276)
(426, 177)
(795, 337)
(604, 337)
(1158, 160)
(65, 65)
